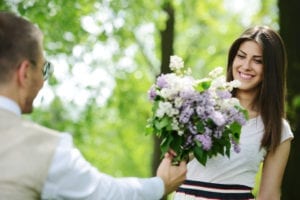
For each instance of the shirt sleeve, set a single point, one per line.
(71, 177)
(286, 131)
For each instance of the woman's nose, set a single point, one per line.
(246, 64)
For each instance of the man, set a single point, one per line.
(40, 163)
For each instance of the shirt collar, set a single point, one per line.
(10, 105)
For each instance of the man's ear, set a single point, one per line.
(23, 72)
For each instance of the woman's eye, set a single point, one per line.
(240, 56)
(258, 61)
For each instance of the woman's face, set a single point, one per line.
(248, 66)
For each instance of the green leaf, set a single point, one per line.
(202, 86)
(159, 124)
(165, 144)
(200, 126)
(177, 143)
(236, 130)
(228, 147)
(244, 111)
(219, 148)
(200, 155)
(149, 129)
(155, 106)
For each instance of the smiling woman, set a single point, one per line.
(258, 60)
(247, 67)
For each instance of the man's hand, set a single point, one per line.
(172, 175)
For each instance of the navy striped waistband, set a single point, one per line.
(215, 191)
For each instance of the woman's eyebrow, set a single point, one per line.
(256, 56)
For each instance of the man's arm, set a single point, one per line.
(72, 177)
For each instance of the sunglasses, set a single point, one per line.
(48, 70)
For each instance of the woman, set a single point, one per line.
(258, 60)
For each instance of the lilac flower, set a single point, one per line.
(240, 118)
(161, 81)
(223, 94)
(166, 108)
(176, 63)
(189, 142)
(187, 94)
(218, 118)
(192, 128)
(205, 140)
(152, 93)
(236, 147)
(198, 110)
(186, 114)
(207, 131)
(218, 132)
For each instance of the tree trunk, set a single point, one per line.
(289, 16)
(167, 38)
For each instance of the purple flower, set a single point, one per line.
(236, 148)
(189, 142)
(218, 132)
(186, 114)
(234, 115)
(152, 93)
(192, 128)
(218, 118)
(223, 94)
(188, 94)
(161, 81)
(240, 118)
(207, 131)
(205, 140)
(200, 110)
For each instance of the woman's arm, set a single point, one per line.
(273, 171)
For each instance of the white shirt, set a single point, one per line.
(241, 167)
(70, 176)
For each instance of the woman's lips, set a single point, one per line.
(245, 76)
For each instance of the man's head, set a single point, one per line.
(21, 60)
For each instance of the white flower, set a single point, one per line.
(188, 71)
(175, 124)
(166, 108)
(218, 118)
(180, 132)
(216, 72)
(235, 101)
(218, 82)
(176, 63)
(166, 93)
(178, 102)
(235, 83)
(224, 104)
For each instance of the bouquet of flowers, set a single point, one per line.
(197, 116)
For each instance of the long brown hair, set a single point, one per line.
(270, 100)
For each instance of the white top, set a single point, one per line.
(240, 168)
(71, 177)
